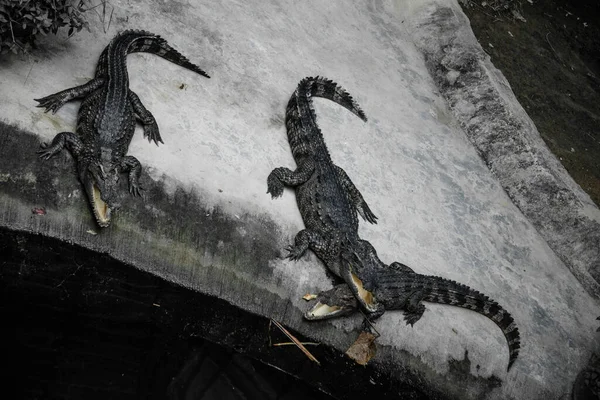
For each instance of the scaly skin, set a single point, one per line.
(328, 200)
(106, 121)
(398, 287)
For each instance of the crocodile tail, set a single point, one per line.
(134, 41)
(327, 89)
(445, 291)
(301, 120)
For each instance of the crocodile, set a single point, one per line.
(328, 200)
(398, 287)
(106, 121)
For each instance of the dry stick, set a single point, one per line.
(27, 77)
(370, 323)
(11, 30)
(91, 8)
(110, 19)
(296, 342)
(555, 54)
(292, 343)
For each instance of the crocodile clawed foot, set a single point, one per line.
(152, 133)
(413, 316)
(366, 214)
(274, 186)
(45, 153)
(136, 190)
(51, 103)
(276, 190)
(294, 253)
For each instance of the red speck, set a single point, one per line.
(38, 210)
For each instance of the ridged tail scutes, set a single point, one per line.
(301, 121)
(327, 89)
(136, 41)
(445, 291)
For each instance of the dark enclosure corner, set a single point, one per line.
(78, 324)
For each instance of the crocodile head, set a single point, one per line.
(101, 186)
(360, 261)
(333, 303)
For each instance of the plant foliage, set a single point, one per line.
(21, 21)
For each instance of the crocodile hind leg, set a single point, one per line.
(414, 309)
(64, 139)
(146, 118)
(304, 240)
(133, 167)
(281, 177)
(355, 196)
(55, 101)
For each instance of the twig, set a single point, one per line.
(27, 77)
(11, 29)
(91, 8)
(110, 19)
(369, 322)
(293, 339)
(555, 54)
(292, 343)
(70, 275)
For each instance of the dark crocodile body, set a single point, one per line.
(398, 287)
(328, 200)
(106, 121)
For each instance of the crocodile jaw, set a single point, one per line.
(324, 311)
(102, 211)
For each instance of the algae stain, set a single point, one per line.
(56, 122)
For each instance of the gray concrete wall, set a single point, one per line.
(206, 222)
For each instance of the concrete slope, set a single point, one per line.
(206, 222)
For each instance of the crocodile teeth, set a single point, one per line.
(101, 209)
(321, 310)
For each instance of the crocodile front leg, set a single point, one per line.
(414, 309)
(304, 240)
(55, 101)
(133, 167)
(280, 177)
(64, 139)
(146, 118)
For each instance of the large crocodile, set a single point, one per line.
(398, 287)
(328, 200)
(106, 121)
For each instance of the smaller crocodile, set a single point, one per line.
(398, 287)
(106, 121)
(328, 200)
